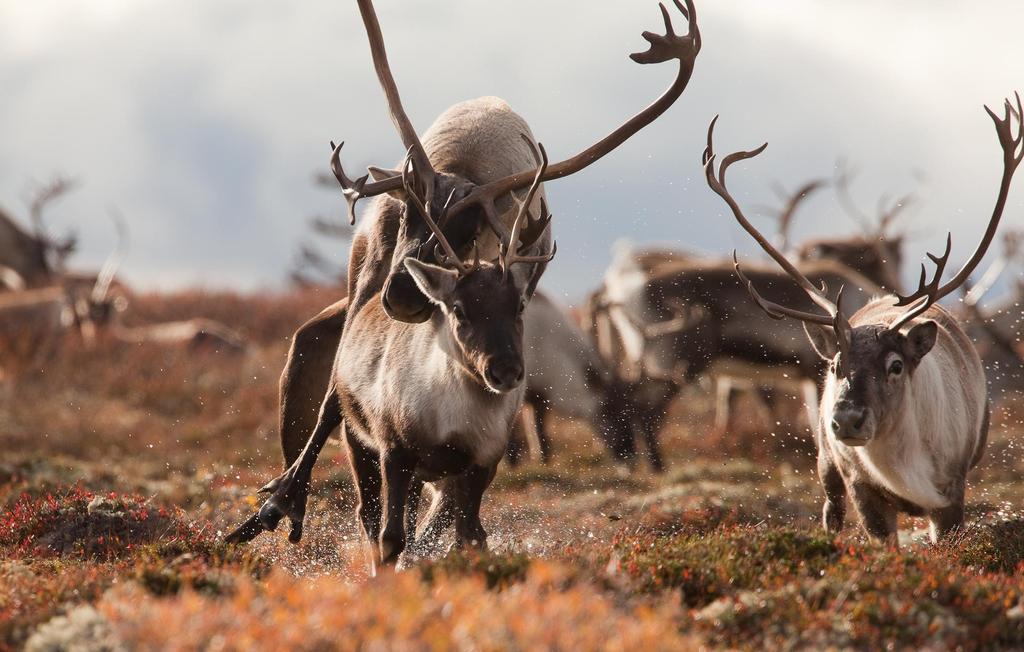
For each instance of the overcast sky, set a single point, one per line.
(204, 121)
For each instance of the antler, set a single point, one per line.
(520, 240)
(106, 276)
(792, 201)
(355, 189)
(835, 317)
(662, 48)
(387, 82)
(449, 254)
(1013, 152)
(43, 196)
(1011, 251)
(886, 213)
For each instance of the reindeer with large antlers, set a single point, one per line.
(904, 410)
(476, 155)
(425, 403)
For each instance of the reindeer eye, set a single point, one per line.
(896, 368)
(459, 312)
(522, 306)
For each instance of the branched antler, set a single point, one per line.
(835, 317)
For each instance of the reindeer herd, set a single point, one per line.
(443, 358)
(43, 304)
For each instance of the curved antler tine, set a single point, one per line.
(669, 47)
(772, 309)
(109, 270)
(718, 186)
(387, 82)
(668, 20)
(709, 150)
(355, 189)
(350, 189)
(735, 157)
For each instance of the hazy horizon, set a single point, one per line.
(205, 122)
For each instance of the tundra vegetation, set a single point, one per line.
(128, 459)
(125, 464)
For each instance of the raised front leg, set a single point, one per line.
(469, 494)
(398, 466)
(290, 490)
(877, 513)
(306, 375)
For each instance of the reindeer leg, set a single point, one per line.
(469, 531)
(517, 442)
(398, 465)
(438, 518)
(877, 513)
(540, 410)
(306, 376)
(365, 464)
(833, 512)
(290, 490)
(650, 425)
(946, 520)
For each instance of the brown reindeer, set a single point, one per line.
(477, 153)
(877, 253)
(904, 408)
(666, 326)
(996, 329)
(31, 258)
(431, 402)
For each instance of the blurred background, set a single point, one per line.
(204, 123)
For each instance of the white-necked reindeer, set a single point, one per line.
(904, 408)
(432, 402)
(471, 161)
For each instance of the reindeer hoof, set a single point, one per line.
(246, 531)
(270, 515)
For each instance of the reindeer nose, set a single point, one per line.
(848, 422)
(505, 374)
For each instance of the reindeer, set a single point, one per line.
(877, 254)
(565, 375)
(88, 306)
(477, 150)
(385, 383)
(471, 160)
(687, 322)
(33, 259)
(996, 330)
(904, 409)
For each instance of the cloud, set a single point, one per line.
(204, 121)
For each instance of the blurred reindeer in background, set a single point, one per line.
(996, 330)
(877, 253)
(30, 257)
(64, 306)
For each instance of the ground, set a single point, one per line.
(123, 467)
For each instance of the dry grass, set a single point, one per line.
(123, 466)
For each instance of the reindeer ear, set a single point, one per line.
(823, 339)
(380, 174)
(437, 283)
(919, 341)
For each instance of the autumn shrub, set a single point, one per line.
(498, 570)
(74, 522)
(394, 611)
(705, 565)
